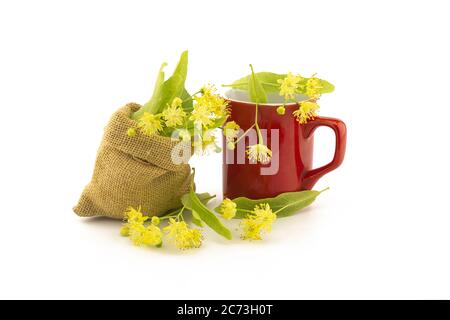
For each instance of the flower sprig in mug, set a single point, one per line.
(290, 87)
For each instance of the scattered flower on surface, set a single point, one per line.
(155, 220)
(306, 111)
(289, 85)
(259, 153)
(135, 216)
(183, 237)
(140, 234)
(148, 236)
(150, 124)
(228, 209)
(257, 222)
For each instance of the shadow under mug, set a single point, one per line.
(294, 151)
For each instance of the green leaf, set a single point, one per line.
(187, 101)
(193, 203)
(269, 81)
(285, 204)
(204, 198)
(152, 104)
(326, 86)
(256, 91)
(196, 219)
(174, 86)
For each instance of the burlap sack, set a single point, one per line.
(133, 171)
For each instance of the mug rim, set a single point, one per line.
(268, 104)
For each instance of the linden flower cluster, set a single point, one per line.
(289, 85)
(144, 234)
(292, 85)
(259, 153)
(306, 111)
(182, 236)
(256, 222)
(228, 209)
(138, 232)
(231, 131)
(209, 110)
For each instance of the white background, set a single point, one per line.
(382, 231)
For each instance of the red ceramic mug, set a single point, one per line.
(294, 151)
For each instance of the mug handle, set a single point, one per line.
(312, 176)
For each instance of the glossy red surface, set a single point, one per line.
(295, 153)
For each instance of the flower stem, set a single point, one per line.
(180, 214)
(244, 134)
(258, 131)
(192, 96)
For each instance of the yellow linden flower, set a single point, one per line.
(219, 106)
(259, 153)
(201, 115)
(216, 105)
(231, 130)
(228, 209)
(250, 230)
(289, 85)
(306, 111)
(150, 124)
(182, 236)
(131, 132)
(135, 216)
(208, 89)
(173, 115)
(260, 220)
(231, 145)
(281, 110)
(206, 142)
(176, 102)
(313, 87)
(125, 231)
(155, 220)
(141, 235)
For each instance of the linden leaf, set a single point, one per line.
(286, 204)
(204, 198)
(256, 91)
(174, 86)
(192, 202)
(326, 86)
(196, 219)
(268, 80)
(152, 104)
(187, 101)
